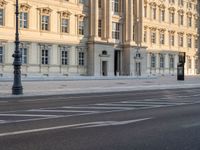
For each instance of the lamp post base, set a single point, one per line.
(17, 90)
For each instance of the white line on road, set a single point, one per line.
(61, 111)
(27, 115)
(126, 105)
(149, 102)
(2, 121)
(113, 123)
(99, 107)
(63, 127)
(3, 101)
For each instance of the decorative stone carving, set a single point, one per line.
(2, 3)
(65, 14)
(45, 10)
(24, 7)
(181, 11)
(81, 16)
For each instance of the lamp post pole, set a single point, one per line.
(17, 88)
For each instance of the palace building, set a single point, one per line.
(100, 37)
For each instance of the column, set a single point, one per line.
(104, 19)
(157, 63)
(72, 56)
(167, 63)
(109, 20)
(96, 16)
(148, 63)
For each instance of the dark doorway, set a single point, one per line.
(138, 69)
(104, 68)
(117, 62)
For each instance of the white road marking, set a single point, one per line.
(77, 97)
(126, 105)
(28, 115)
(68, 126)
(191, 125)
(2, 121)
(3, 101)
(149, 102)
(61, 111)
(113, 123)
(94, 107)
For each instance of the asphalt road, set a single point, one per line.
(140, 120)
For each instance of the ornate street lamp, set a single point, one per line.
(17, 88)
(137, 56)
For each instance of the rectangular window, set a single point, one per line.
(45, 23)
(45, 56)
(115, 30)
(64, 56)
(145, 36)
(65, 25)
(162, 61)
(99, 3)
(81, 28)
(171, 17)
(154, 13)
(196, 64)
(162, 15)
(189, 42)
(115, 6)
(81, 1)
(1, 17)
(171, 61)
(180, 2)
(189, 63)
(196, 43)
(162, 38)
(189, 21)
(180, 41)
(99, 28)
(153, 61)
(153, 37)
(145, 11)
(23, 20)
(1, 54)
(81, 58)
(24, 52)
(172, 39)
(181, 19)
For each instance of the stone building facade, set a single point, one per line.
(100, 37)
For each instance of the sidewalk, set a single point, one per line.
(44, 87)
